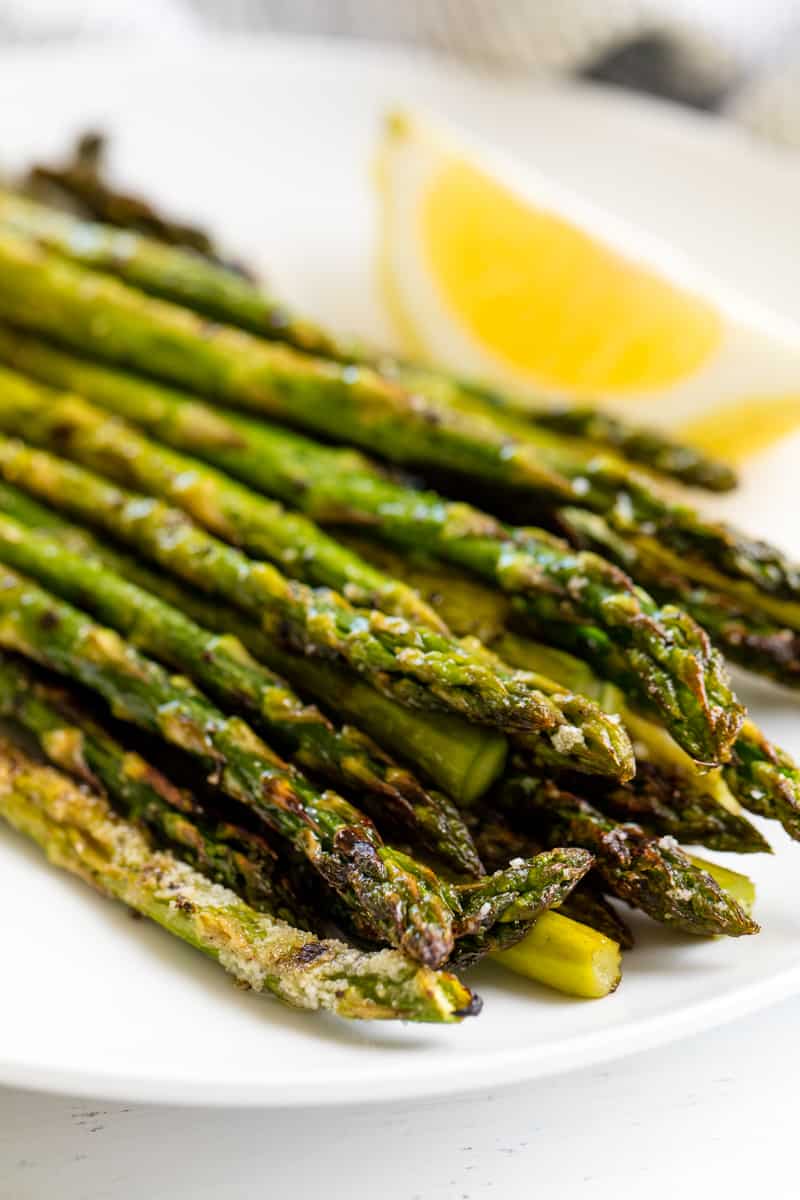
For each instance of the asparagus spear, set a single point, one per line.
(499, 844)
(388, 894)
(157, 264)
(79, 182)
(522, 891)
(231, 511)
(669, 793)
(238, 858)
(79, 832)
(215, 292)
(416, 666)
(244, 862)
(223, 668)
(765, 780)
(649, 447)
(247, 449)
(760, 776)
(357, 405)
(758, 632)
(651, 873)
(579, 597)
(658, 801)
(462, 759)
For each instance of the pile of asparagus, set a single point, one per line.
(397, 729)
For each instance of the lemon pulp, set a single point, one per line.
(751, 425)
(547, 299)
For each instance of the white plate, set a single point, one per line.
(270, 142)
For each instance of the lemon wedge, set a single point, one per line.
(492, 270)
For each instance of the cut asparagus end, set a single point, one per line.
(567, 956)
(737, 885)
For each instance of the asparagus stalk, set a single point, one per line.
(416, 666)
(578, 596)
(765, 780)
(155, 263)
(658, 801)
(651, 873)
(79, 182)
(218, 293)
(79, 832)
(587, 429)
(669, 794)
(760, 777)
(522, 891)
(357, 405)
(259, 526)
(388, 895)
(649, 447)
(223, 668)
(462, 759)
(499, 844)
(759, 632)
(238, 858)
(565, 955)
(241, 859)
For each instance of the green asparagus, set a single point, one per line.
(79, 832)
(760, 776)
(241, 859)
(223, 295)
(260, 526)
(355, 404)
(760, 632)
(764, 779)
(521, 891)
(79, 185)
(416, 666)
(155, 266)
(651, 873)
(659, 801)
(579, 597)
(681, 800)
(224, 669)
(462, 759)
(238, 858)
(388, 894)
(649, 447)
(499, 844)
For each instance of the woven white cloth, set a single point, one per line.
(740, 57)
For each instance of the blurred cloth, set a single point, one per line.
(742, 59)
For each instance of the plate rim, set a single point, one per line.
(488, 1070)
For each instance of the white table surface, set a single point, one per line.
(713, 1115)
